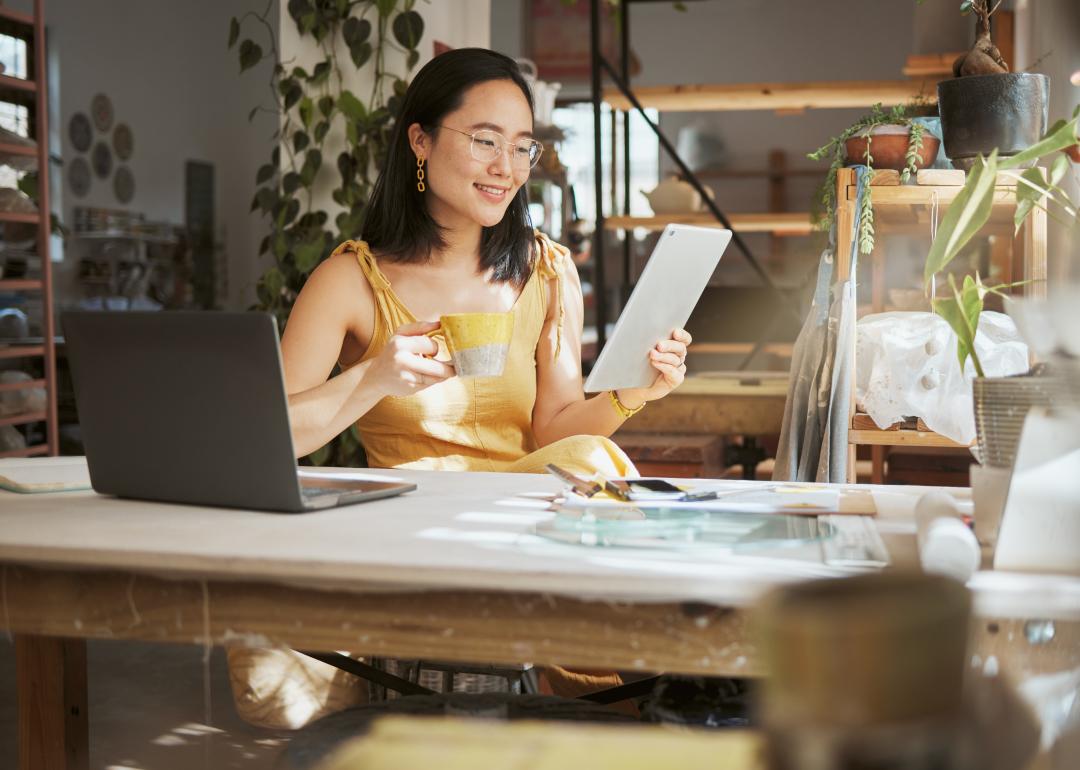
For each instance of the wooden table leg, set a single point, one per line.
(51, 685)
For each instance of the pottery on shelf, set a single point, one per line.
(674, 196)
(888, 148)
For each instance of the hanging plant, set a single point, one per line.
(350, 35)
(310, 104)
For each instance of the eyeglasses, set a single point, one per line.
(487, 145)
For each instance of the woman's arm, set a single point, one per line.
(561, 408)
(335, 300)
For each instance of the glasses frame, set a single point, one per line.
(499, 149)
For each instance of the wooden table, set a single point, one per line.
(450, 572)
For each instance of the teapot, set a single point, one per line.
(673, 196)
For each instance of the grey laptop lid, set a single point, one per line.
(186, 407)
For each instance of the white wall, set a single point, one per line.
(165, 66)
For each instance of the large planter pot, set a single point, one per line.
(1001, 405)
(982, 112)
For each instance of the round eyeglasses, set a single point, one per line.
(487, 145)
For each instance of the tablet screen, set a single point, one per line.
(670, 286)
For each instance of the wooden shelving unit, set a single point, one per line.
(780, 223)
(783, 97)
(32, 93)
(896, 205)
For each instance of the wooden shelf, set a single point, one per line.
(17, 17)
(758, 173)
(25, 217)
(7, 148)
(937, 64)
(21, 351)
(22, 419)
(777, 96)
(795, 223)
(917, 438)
(30, 451)
(8, 83)
(782, 349)
(7, 387)
(21, 284)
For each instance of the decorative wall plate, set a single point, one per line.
(122, 141)
(102, 160)
(79, 177)
(124, 184)
(102, 110)
(80, 131)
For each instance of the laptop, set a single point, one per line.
(190, 407)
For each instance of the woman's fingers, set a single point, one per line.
(671, 359)
(414, 329)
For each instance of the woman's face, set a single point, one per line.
(460, 188)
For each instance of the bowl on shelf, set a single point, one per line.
(888, 148)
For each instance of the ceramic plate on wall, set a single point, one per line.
(102, 160)
(124, 184)
(79, 177)
(101, 109)
(122, 141)
(80, 131)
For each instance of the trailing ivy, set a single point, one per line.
(310, 104)
(835, 151)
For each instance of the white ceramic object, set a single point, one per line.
(673, 196)
(989, 490)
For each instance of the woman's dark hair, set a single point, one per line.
(398, 225)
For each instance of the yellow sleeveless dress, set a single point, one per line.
(477, 423)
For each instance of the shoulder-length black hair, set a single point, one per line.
(398, 225)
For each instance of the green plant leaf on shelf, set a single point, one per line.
(1028, 195)
(1060, 135)
(961, 311)
(965, 217)
(1058, 169)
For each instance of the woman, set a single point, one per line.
(448, 231)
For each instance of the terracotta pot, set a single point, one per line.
(888, 148)
(1073, 152)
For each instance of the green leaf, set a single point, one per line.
(250, 54)
(298, 9)
(961, 312)
(307, 110)
(1060, 135)
(299, 73)
(274, 281)
(300, 141)
(965, 217)
(234, 31)
(312, 164)
(309, 252)
(326, 106)
(321, 130)
(264, 245)
(265, 199)
(352, 107)
(265, 174)
(290, 182)
(1023, 208)
(965, 7)
(292, 208)
(411, 58)
(407, 29)
(385, 7)
(360, 53)
(320, 73)
(1058, 169)
(251, 115)
(293, 94)
(355, 31)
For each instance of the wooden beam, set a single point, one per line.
(777, 96)
(781, 223)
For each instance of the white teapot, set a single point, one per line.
(673, 196)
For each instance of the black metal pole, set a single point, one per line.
(599, 287)
(624, 50)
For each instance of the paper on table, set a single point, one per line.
(54, 474)
(791, 499)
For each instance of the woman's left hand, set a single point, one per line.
(668, 357)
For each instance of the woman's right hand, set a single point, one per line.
(406, 364)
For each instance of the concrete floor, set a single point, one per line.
(147, 711)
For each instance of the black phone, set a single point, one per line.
(653, 489)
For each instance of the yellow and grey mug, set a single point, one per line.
(477, 342)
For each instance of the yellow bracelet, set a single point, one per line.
(623, 410)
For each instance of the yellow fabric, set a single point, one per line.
(477, 423)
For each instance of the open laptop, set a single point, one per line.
(190, 407)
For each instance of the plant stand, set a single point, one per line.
(906, 209)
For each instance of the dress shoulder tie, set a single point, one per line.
(551, 263)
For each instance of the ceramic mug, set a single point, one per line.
(478, 343)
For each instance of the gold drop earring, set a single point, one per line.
(420, 186)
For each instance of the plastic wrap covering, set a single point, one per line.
(906, 366)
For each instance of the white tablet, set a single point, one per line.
(670, 285)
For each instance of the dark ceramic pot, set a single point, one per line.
(981, 112)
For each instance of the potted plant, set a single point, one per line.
(963, 304)
(881, 139)
(985, 106)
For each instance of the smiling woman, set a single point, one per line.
(448, 232)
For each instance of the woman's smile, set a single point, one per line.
(492, 193)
